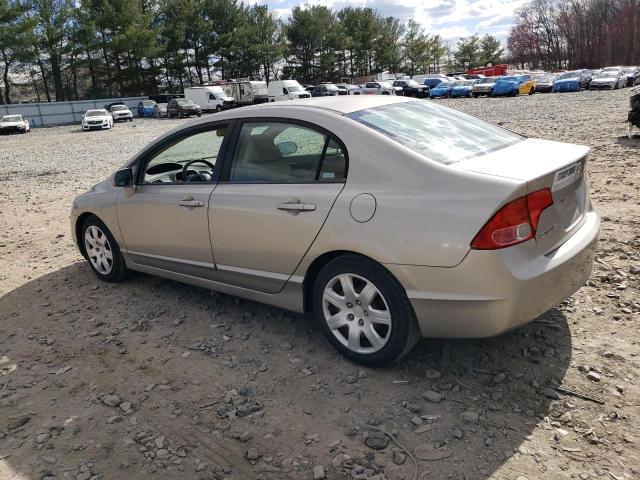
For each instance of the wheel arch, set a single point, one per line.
(78, 230)
(318, 263)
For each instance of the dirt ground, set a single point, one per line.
(155, 379)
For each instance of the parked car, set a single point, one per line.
(286, 90)
(443, 89)
(14, 124)
(349, 88)
(483, 87)
(572, 81)
(305, 201)
(209, 98)
(108, 106)
(463, 88)
(608, 79)
(378, 88)
(160, 110)
(145, 108)
(632, 74)
(325, 89)
(121, 113)
(434, 82)
(514, 85)
(544, 83)
(98, 119)
(183, 107)
(411, 88)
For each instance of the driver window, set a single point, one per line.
(191, 159)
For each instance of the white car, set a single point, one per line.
(98, 119)
(14, 123)
(608, 79)
(121, 113)
(379, 88)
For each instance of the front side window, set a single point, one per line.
(189, 160)
(279, 152)
(438, 133)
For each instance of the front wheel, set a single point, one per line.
(531, 91)
(102, 251)
(364, 312)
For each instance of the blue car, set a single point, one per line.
(432, 82)
(462, 88)
(145, 108)
(443, 89)
(514, 85)
(573, 81)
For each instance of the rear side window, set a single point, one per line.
(279, 152)
(439, 133)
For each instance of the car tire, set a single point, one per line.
(389, 301)
(218, 108)
(531, 91)
(98, 250)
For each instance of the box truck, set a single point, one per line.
(210, 98)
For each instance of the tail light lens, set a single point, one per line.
(514, 223)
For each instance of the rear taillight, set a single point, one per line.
(514, 223)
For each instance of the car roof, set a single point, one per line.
(340, 104)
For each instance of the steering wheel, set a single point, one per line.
(202, 177)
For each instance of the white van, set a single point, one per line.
(209, 98)
(286, 90)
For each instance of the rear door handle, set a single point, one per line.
(297, 207)
(190, 202)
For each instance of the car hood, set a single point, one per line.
(568, 80)
(605, 79)
(507, 83)
(103, 117)
(463, 87)
(228, 99)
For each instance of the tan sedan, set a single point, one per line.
(389, 218)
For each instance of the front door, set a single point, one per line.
(164, 219)
(278, 189)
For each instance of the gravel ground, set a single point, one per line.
(155, 379)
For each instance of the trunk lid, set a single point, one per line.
(544, 164)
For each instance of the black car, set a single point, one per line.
(411, 88)
(180, 107)
(325, 90)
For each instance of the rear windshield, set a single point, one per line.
(439, 133)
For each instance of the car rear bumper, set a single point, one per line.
(491, 292)
(12, 129)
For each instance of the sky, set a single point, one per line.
(451, 19)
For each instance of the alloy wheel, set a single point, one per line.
(98, 250)
(356, 313)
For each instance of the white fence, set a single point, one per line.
(62, 113)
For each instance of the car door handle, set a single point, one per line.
(297, 207)
(190, 202)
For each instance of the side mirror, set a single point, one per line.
(287, 148)
(123, 178)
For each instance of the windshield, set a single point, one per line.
(488, 80)
(445, 85)
(148, 103)
(564, 76)
(465, 83)
(117, 108)
(609, 74)
(294, 88)
(11, 118)
(547, 79)
(412, 83)
(439, 133)
(331, 86)
(95, 113)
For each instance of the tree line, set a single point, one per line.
(69, 49)
(556, 34)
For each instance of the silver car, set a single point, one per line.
(388, 218)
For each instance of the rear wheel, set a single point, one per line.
(364, 312)
(531, 91)
(102, 251)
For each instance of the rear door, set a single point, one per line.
(277, 189)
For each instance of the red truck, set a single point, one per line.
(493, 71)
